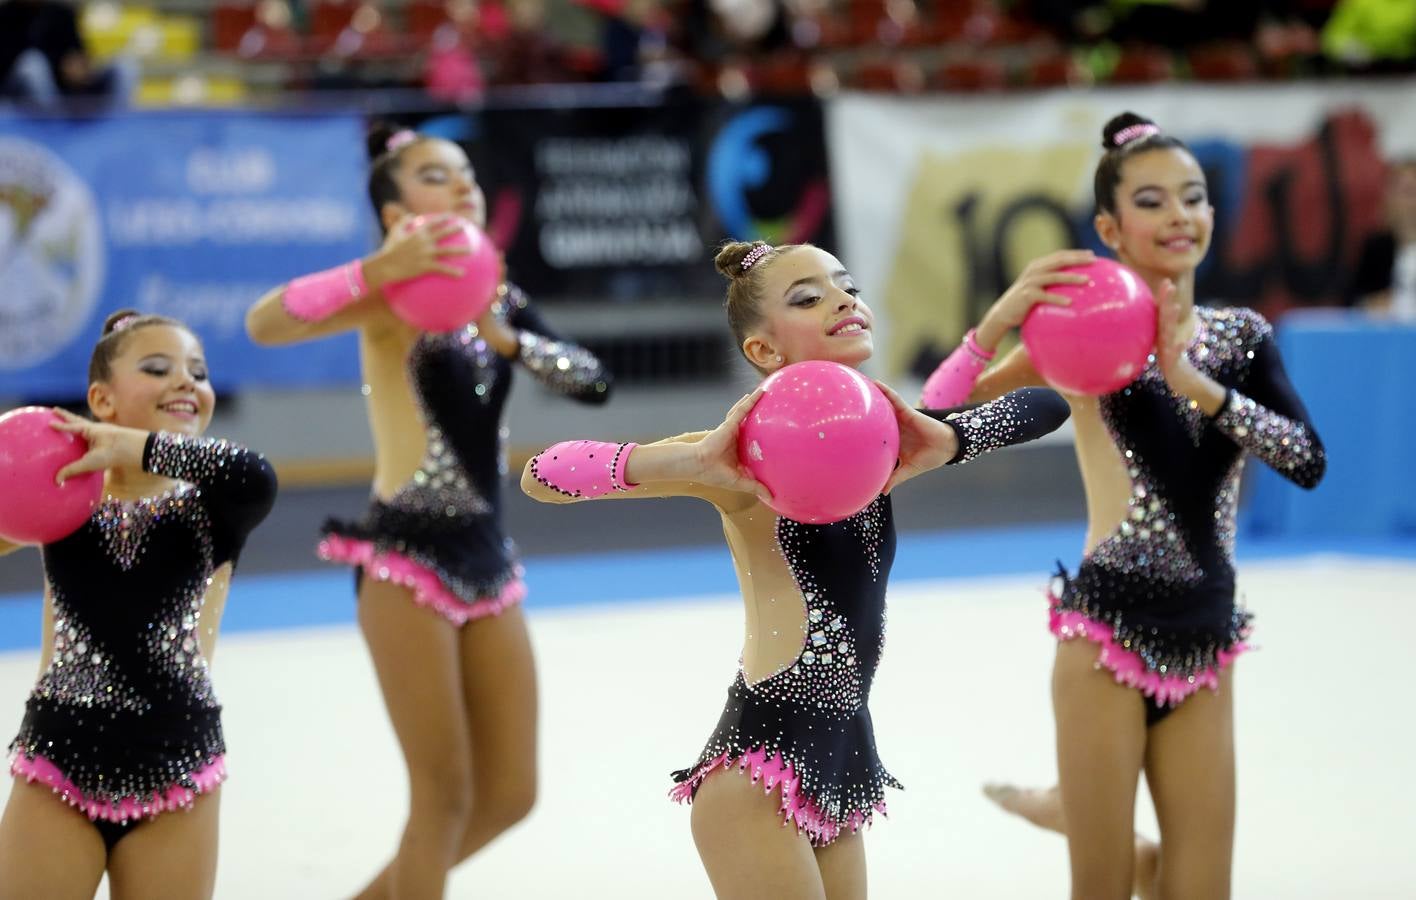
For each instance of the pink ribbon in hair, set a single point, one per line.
(123, 323)
(400, 139)
(1134, 133)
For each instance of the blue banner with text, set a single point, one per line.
(191, 215)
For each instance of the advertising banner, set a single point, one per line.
(940, 202)
(630, 203)
(191, 215)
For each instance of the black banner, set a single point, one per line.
(630, 203)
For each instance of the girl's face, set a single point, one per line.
(1163, 220)
(810, 310)
(435, 178)
(157, 383)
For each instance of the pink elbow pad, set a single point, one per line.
(313, 298)
(954, 380)
(585, 469)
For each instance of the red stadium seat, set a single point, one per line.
(270, 35)
(1058, 69)
(893, 76)
(825, 31)
(1143, 65)
(793, 75)
(424, 17)
(974, 22)
(1223, 62)
(366, 33)
(330, 17)
(971, 75)
(260, 42)
(230, 20)
(584, 62)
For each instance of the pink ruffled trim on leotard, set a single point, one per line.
(428, 589)
(1127, 665)
(128, 808)
(797, 808)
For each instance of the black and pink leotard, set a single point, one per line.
(440, 535)
(123, 724)
(1158, 594)
(805, 729)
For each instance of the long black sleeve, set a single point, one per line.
(238, 486)
(1014, 418)
(1268, 419)
(563, 366)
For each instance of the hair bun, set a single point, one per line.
(112, 321)
(1119, 124)
(377, 141)
(730, 256)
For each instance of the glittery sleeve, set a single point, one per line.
(237, 485)
(561, 365)
(1014, 418)
(1268, 419)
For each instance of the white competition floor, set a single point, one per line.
(1327, 798)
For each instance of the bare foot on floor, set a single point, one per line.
(1040, 806)
(1043, 808)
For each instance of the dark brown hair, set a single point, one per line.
(383, 163)
(744, 297)
(1108, 171)
(111, 340)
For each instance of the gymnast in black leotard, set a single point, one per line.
(1152, 616)
(438, 580)
(797, 719)
(440, 533)
(123, 725)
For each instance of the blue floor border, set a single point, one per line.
(324, 596)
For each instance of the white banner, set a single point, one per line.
(941, 201)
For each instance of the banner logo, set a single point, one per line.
(742, 161)
(51, 254)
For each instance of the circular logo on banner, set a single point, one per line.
(755, 153)
(51, 254)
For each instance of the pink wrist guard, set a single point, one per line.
(953, 381)
(584, 469)
(313, 298)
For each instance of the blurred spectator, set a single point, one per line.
(715, 31)
(1385, 278)
(453, 73)
(528, 54)
(1190, 22)
(1363, 32)
(272, 31)
(1070, 20)
(43, 60)
(633, 39)
(1177, 23)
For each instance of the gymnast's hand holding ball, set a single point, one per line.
(1173, 333)
(414, 247)
(817, 442)
(925, 443)
(36, 457)
(438, 273)
(717, 460)
(109, 446)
